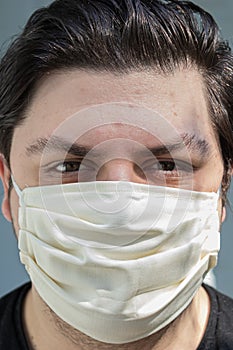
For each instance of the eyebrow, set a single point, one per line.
(54, 144)
(192, 142)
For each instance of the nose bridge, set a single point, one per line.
(116, 170)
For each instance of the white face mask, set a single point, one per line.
(117, 260)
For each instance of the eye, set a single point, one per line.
(68, 171)
(168, 168)
(72, 166)
(68, 167)
(166, 165)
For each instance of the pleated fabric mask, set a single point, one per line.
(117, 260)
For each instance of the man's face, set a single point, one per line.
(117, 150)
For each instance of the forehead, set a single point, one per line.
(178, 98)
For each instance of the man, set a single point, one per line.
(116, 142)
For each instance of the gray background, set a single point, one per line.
(13, 15)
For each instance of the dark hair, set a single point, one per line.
(118, 36)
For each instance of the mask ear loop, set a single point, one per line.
(219, 191)
(16, 187)
(18, 191)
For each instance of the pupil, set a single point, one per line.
(70, 167)
(168, 166)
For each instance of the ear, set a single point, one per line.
(5, 177)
